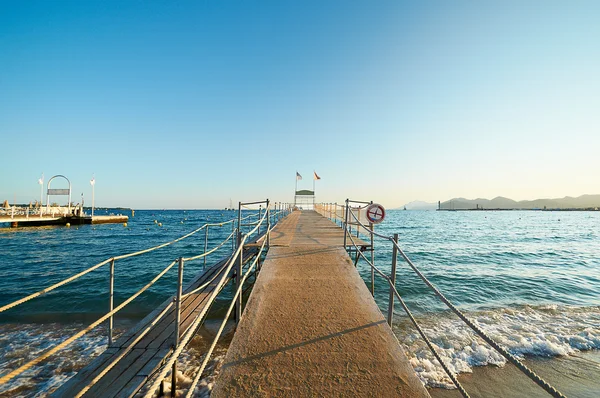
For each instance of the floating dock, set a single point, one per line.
(311, 327)
(37, 221)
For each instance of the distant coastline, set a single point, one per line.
(568, 203)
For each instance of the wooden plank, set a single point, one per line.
(78, 381)
(130, 335)
(136, 383)
(110, 385)
(103, 387)
(128, 375)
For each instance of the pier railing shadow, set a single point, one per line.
(353, 226)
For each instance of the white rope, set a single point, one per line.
(191, 330)
(218, 335)
(79, 334)
(210, 251)
(124, 351)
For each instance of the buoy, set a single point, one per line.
(160, 224)
(124, 224)
(155, 221)
(68, 225)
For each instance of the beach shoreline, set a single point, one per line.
(575, 375)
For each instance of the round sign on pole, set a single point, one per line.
(375, 213)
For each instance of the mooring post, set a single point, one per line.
(393, 280)
(111, 288)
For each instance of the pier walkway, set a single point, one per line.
(311, 326)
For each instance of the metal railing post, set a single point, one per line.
(393, 280)
(177, 320)
(233, 237)
(345, 224)
(238, 282)
(238, 269)
(178, 301)
(259, 216)
(336, 217)
(371, 226)
(205, 245)
(268, 225)
(111, 293)
(239, 227)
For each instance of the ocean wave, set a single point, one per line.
(20, 343)
(526, 331)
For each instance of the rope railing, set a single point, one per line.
(427, 341)
(208, 354)
(211, 250)
(511, 358)
(100, 264)
(82, 332)
(268, 216)
(192, 328)
(125, 351)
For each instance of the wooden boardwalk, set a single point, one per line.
(311, 326)
(134, 368)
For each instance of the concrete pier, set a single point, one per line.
(311, 327)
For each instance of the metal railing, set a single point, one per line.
(112, 310)
(235, 263)
(351, 217)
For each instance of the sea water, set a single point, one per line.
(530, 279)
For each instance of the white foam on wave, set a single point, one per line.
(21, 343)
(525, 331)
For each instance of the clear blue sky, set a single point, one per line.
(188, 104)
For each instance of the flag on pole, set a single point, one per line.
(316, 176)
(298, 176)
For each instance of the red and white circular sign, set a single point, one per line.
(375, 213)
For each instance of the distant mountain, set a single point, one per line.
(568, 202)
(419, 205)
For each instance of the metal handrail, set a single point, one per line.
(180, 344)
(511, 358)
(391, 304)
(100, 264)
(210, 251)
(82, 332)
(239, 290)
(108, 316)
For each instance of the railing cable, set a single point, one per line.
(511, 358)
